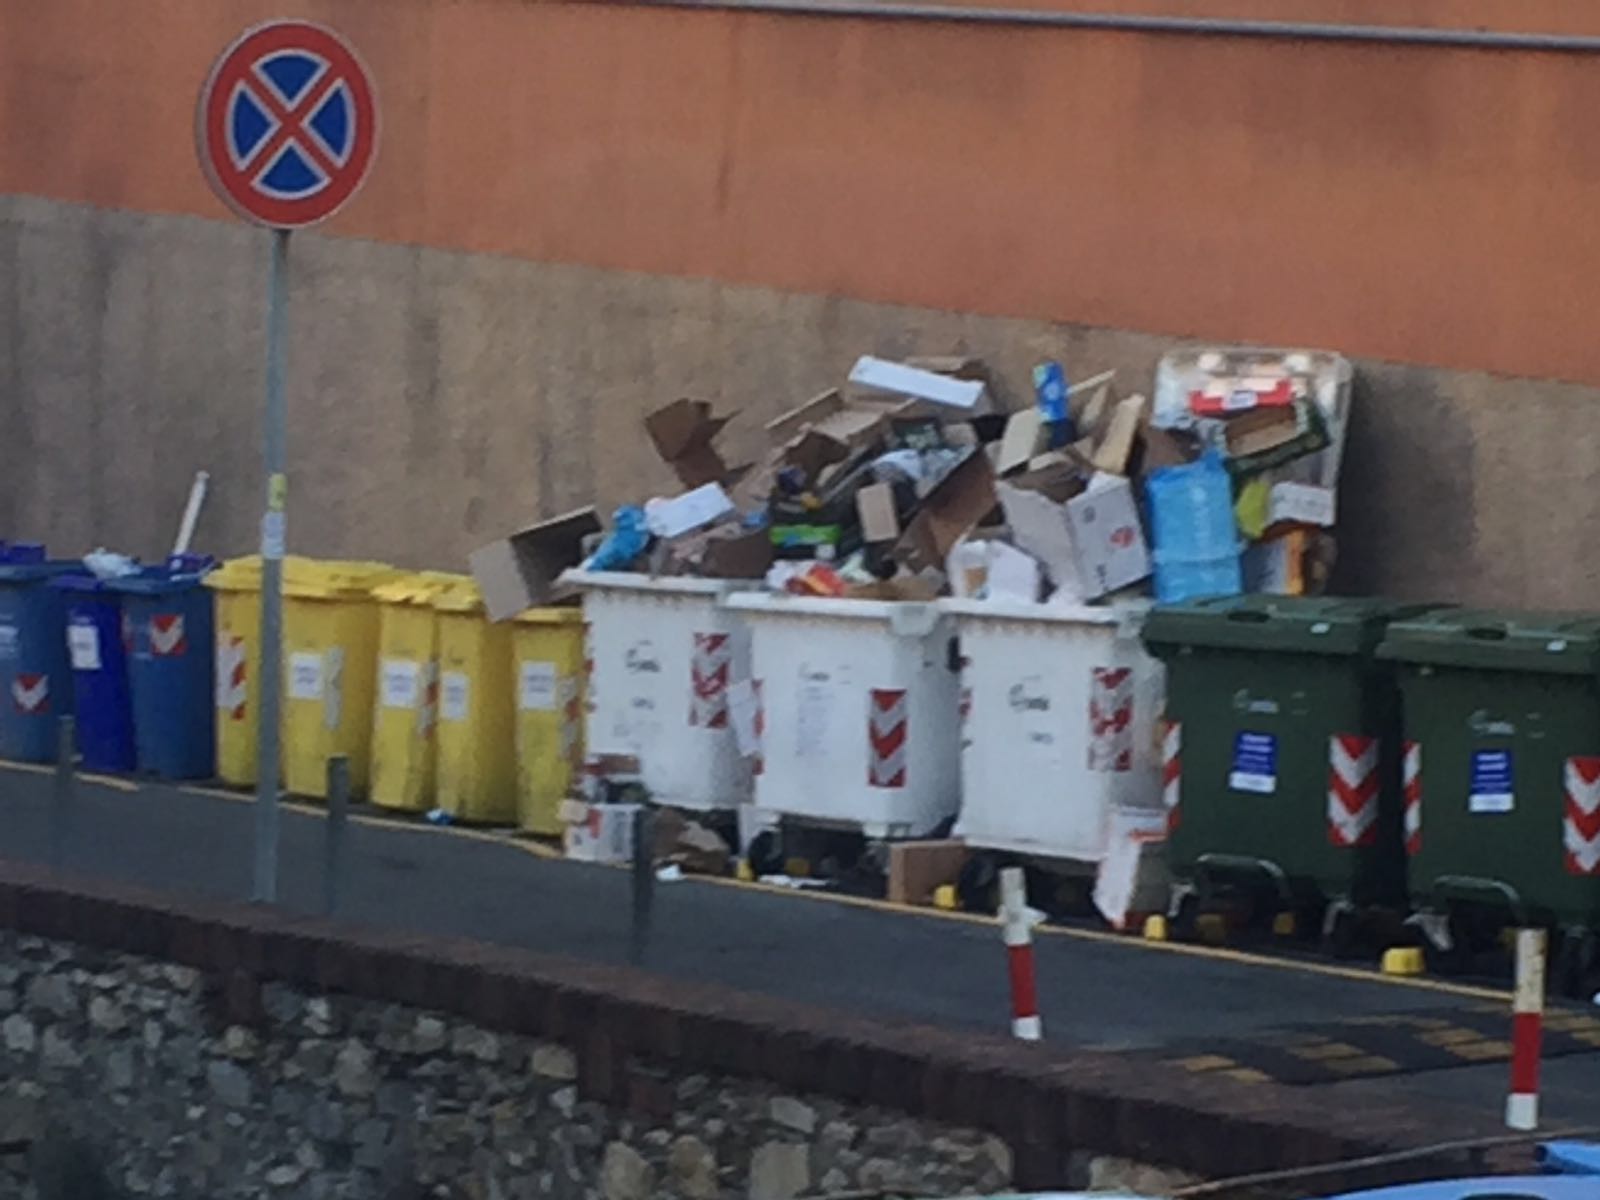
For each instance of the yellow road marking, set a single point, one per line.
(1132, 944)
(1204, 1062)
(1327, 1052)
(1367, 1064)
(1248, 1075)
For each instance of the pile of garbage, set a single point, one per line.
(914, 480)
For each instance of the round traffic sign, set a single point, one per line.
(287, 125)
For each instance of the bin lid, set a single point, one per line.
(1283, 624)
(237, 575)
(80, 581)
(629, 581)
(462, 597)
(315, 579)
(418, 587)
(549, 615)
(165, 580)
(1488, 640)
(36, 572)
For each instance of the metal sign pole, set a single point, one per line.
(272, 550)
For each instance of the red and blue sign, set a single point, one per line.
(288, 124)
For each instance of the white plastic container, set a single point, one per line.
(662, 653)
(1060, 707)
(858, 713)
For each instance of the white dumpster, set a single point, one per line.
(1060, 706)
(662, 652)
(858, 713)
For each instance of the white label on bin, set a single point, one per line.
(83, 643)
(814, 708)
(536, 687)
(1492, 787)
(455, 697)
(305, 676)
(401, 681)
(9, 640)
(1255, 763)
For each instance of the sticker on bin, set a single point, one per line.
(401, 681)
(31, 694)
(83, 644)
(536, 687)
(1493, 790)
(1172, 772)
(1255, 763)
(10, 639)
(167, 639)
(305, 676)
(455, 697)
(1580, 826)
(231, 669)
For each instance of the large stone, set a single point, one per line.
(19, 1034)
(184, 979)
(624, 1174)
(1000, 1155)
(53, 994)
(564, 1100)
(119, 1070)
(228, 1083)
(692, 1168)
(1108, 1174)
(285, 1175)
(793, 1114)
(106, 1015)
(779, 1171)
(240, 1044)
(371, 1144)
(429, 1036)
(476, 1043)
(355, 1070)
(550, 1061)
(153, 1034)
(57, 1050)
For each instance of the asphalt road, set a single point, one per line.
(1095, 991)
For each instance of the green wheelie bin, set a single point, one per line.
(1281, 761)
(1502, 781)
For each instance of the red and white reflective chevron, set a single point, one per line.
(1413, 793)
(1352, 790)
(1172, 771)
(1111, 720)
(1580, 827)
(167, 639)
(31, 694)
(712, 660)
(759, 763)
(887, 725)
(231, 692)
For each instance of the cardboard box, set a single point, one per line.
(521, 571)
(1301, 504)
(899, 379)
(605, 835)
(726, 551)
(1261, 429)
(994, 570)
(1039, 528)
(1025, 438)
(876, 510)
(953, 509)
(1115, 446)
(683, 432)
(1107, 538)
(857, 424)
(917, 868)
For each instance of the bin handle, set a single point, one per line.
(1488, 633)
(1249, 616)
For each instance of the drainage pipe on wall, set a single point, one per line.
(1222, 27)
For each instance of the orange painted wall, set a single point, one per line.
(1426, 205)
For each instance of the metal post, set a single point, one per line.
(60, 811)
(644, 882)
(1527, 1031)
(265, 890)
(338, 814)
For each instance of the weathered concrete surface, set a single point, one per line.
(439, 399)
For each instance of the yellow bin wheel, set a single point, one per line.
(550, 708)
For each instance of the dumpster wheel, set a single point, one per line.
(1577, 965)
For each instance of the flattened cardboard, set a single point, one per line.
(683, 432)
(954, 508)
(899, 379)
(876, 510)
(520, 571)
(1116, 443)
(1026, 436)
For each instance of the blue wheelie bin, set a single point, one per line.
(35, 679)
(98, 656)
(172, 632)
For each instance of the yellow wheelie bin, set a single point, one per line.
(237, 584)
(548, 645)
(405, 717)
(476, 776)
(330, 621)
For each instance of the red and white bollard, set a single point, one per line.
(1527, 1020)
(1017, 928)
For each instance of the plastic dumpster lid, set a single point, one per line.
(313, 579)
(1127, 613)
(419, 587)
(80, 581)
(22, 552)
(237, 575)
(463, 597)
(629, 581)
(1283, 624)
(1570, 1158)
(180, 574)
(550, 615)
(35, 572)
(1546, 643)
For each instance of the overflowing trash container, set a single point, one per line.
(477, 767)
(548, 652)
(1281, 757)
(97, 644)
(35, 670)
(169, 627)
(1502, 778)
(858, 713)
(663, 652)
(330, 630)
(406, 714)
(236, 585)
(1060, 707)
